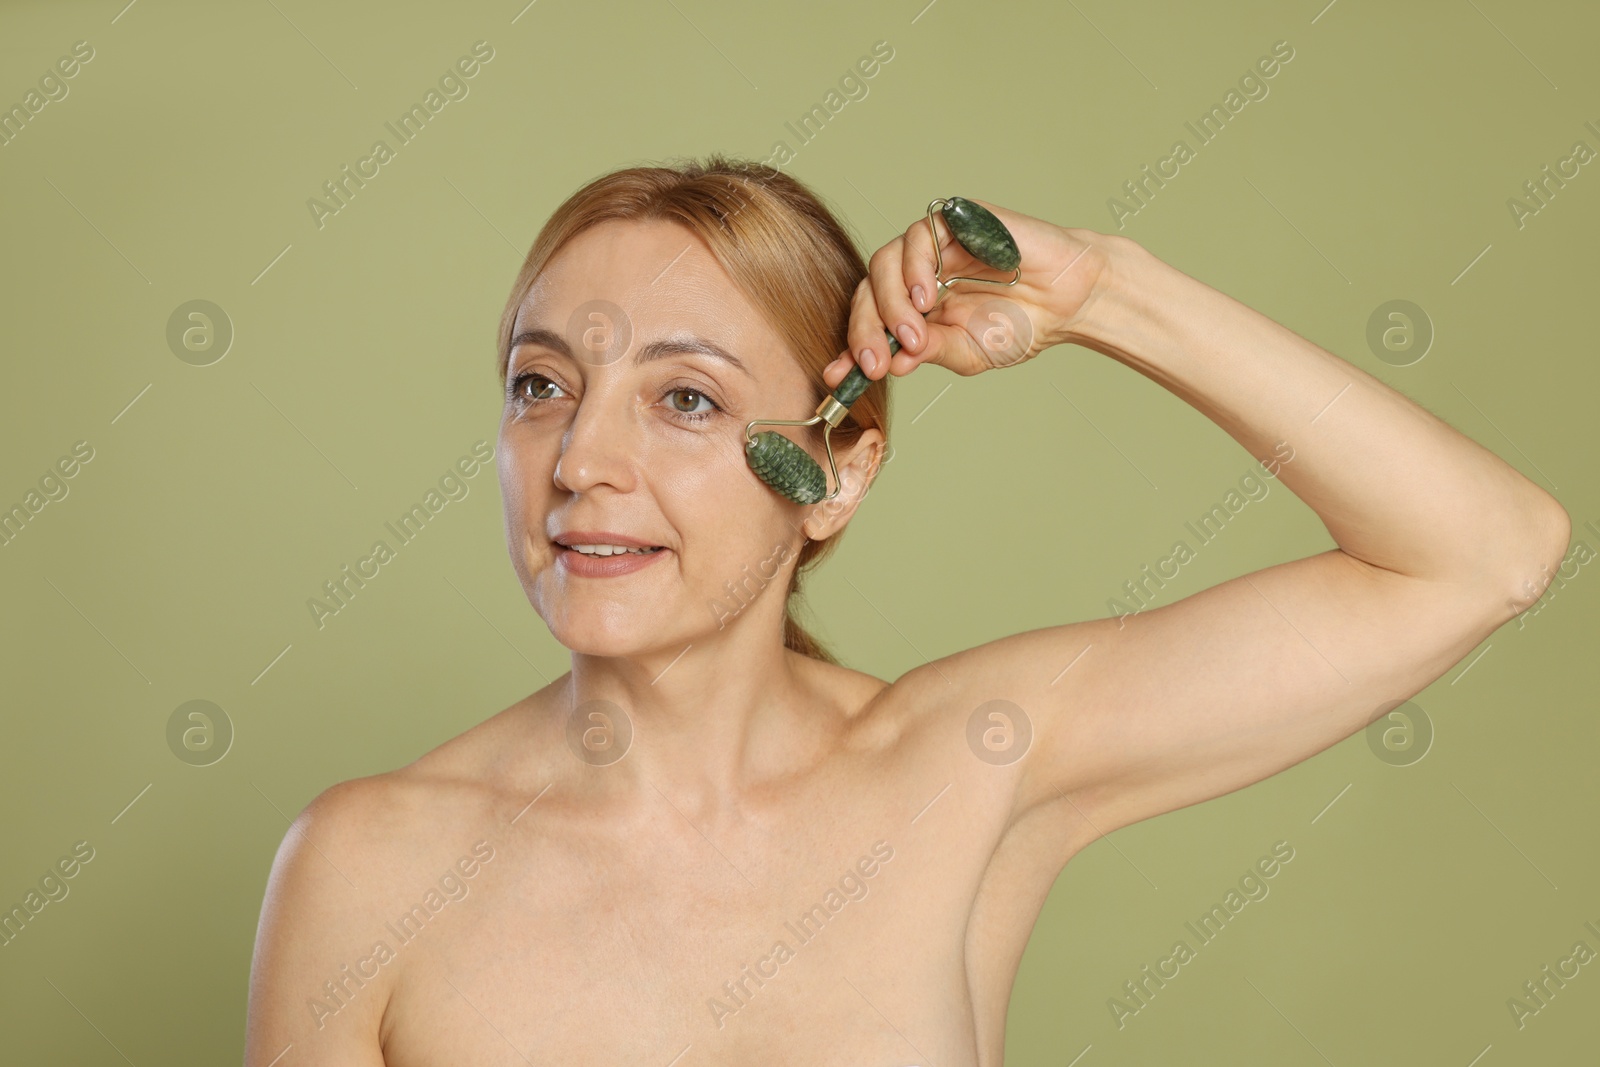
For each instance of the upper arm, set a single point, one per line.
(1133, 717)
(317, 928)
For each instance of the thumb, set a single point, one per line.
(946, 346)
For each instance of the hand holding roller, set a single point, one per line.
(788, 468)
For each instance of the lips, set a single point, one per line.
(601, 537)
(576, 564)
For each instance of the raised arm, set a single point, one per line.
(1439, 541)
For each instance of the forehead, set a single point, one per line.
(658, 274)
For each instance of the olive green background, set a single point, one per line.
(221, 497)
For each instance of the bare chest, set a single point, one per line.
(837, 928)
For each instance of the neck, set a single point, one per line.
(703, 723)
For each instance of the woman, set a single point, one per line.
(710, 843)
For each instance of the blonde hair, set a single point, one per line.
(785, 251)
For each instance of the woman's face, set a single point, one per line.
(613, 423)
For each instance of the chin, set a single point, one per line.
(609, 646)
(603, 633)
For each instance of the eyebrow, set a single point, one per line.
(653, 350)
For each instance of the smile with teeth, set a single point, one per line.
(611, 550)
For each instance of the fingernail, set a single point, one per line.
(918, 296)
(908, 336)
(869, 361)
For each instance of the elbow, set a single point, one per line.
(1542, 558)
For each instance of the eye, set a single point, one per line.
(516, 393)
(691, 414)
(528, 389)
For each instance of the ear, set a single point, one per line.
(857, 468)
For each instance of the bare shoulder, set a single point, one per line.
(368, 832)
(448, 788)
(325, 889)
(364, 854)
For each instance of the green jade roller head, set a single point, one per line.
(788, 468)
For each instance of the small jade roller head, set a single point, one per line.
(788, 468)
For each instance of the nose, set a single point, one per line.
(599, 445)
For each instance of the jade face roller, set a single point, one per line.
(788, 468)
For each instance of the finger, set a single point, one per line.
(903, 363)
(835, 372)
(868, 344)
(887, 270)
(950, 346)
(917, 265)
(936, 348)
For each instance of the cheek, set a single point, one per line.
(704, 486)
(514, 467)
(730, 525)
(526, 489)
